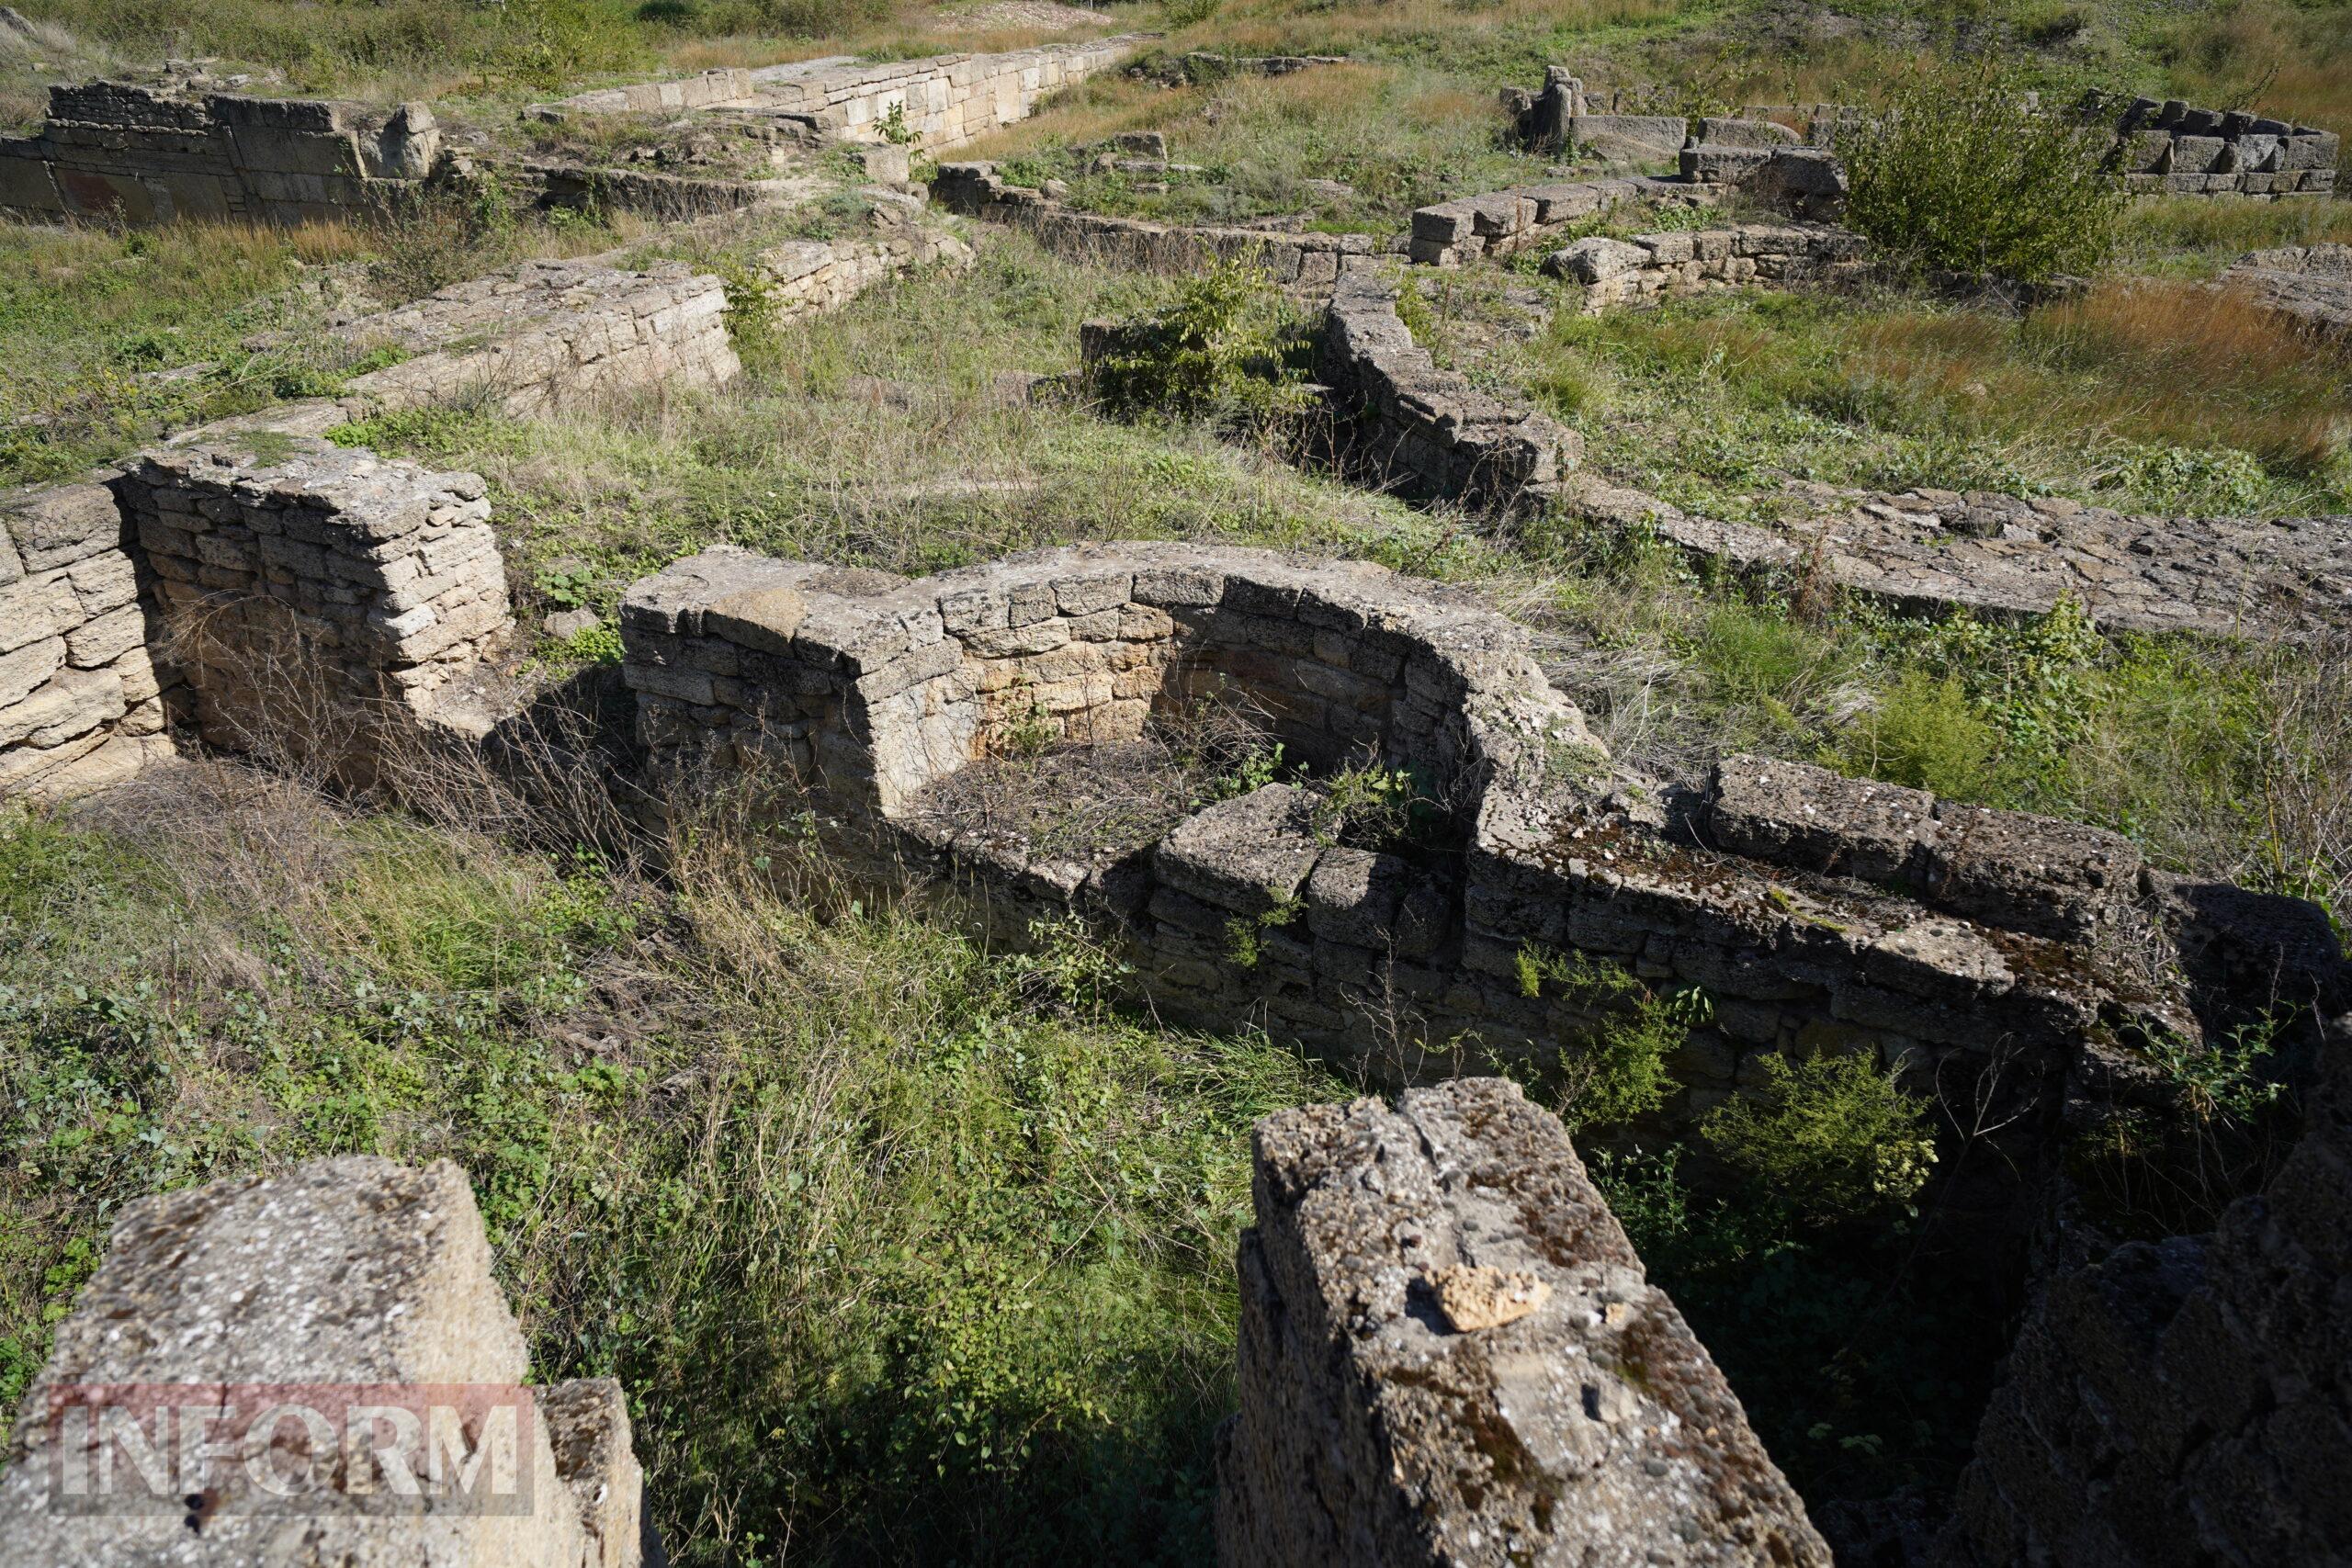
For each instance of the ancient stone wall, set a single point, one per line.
(1649, 266)
(310, 596)
(808, 277)
(936, 102)
(338, 1283)
(1426, 430)
(1815, 912)
(2174, 148)
(1310, 262)
(1500, 222)
(547, 332)
(1449, 1353)
(81, 699)
(134, 154)
(2184, 1401)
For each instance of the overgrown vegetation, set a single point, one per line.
(903, 1251)
(1225, 349)
(1956, 171)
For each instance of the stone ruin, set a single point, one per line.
(115, 151)
(2174, 148)
(2310, 286)
(1449, 1354)
(239, 1309)
(935, 102)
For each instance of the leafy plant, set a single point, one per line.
(1957, 173)
(1618, 1070)
(2222, 1080)
(1226, 348)
(1367, 805)
(1833, 1136)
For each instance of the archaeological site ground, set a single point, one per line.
(1263, 782)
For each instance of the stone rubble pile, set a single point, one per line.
(1648, 267)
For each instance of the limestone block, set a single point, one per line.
(1811, 818)
(1724, 131)
(57, 525)
(1250, 855)
(2035, 874)
(27, 669)
(75, 702)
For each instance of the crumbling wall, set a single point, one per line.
(1649, 266)
(340, 1283)
(2188, 1399)
(547, 332)
(1449, 1354)
(81, 698)
(1426, 429)
(935, 102)
(120, 153)
(1960, 944)
(312, 596)
(1295, 261)
(2175, 148)
(1500, 222)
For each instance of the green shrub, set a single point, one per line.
(1618, 1071)
(1954, 173)
(1834, 1137)
(1224, 349)
(1924, 733)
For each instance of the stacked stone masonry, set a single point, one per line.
(547, 332)
(310, 596)
(1449, 1354)
(1648, 267)
(1525, 216)
(2185, 1401)
(937, 101)
(1305, 262)
(2173, 147)
(81, 702)
(1426, 430)
(351, 1280)
(1816, 911)
(114, 152)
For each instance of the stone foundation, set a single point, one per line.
(1650, 266)
(81, 698)
(312, 596)
(1525, 216)
(1936, 550)
(1426, 431)
(114, 152)
(1449, 1354)
(1815, 912)
(337, 1284)
(2173, 147)
(2308, 285)
(937, 101)
(1311, 262)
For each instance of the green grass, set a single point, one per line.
(899, 1256)
(2156, 398)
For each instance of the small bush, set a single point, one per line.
(1926, 734)
(1224, 349)
(1836, 1138)
(1954, 173)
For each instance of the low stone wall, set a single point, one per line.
(937, 101)
(1935, 550)
(310, 596)
(1426, 430)
(313, 1331)
(547, 332)
(1648, 267)
(1449, 1354)
(115, 151)
(1312, 261)
(1524, 216)
(2175, 148)
(1814, 911)
(81, 699)
(2308, 285)
(808, 278)
(2185, 1401)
